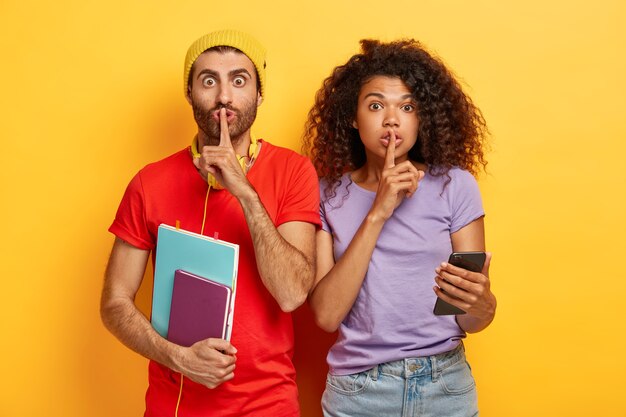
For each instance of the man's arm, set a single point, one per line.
(202, 362)
(285, 255)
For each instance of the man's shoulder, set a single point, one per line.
(173, 161)
(279, 150)
(281, 155)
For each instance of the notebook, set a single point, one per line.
(199, 309)
(197, 254)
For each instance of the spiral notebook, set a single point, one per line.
(205, 257)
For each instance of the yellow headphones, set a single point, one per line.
(253, 151)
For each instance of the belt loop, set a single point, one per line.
(434, 367)
(374, 373)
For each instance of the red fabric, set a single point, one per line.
(172, 189)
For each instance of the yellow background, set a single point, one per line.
(91, 91)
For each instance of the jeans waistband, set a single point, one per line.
(422, 366)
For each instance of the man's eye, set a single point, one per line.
(239, 81)
(208, 82)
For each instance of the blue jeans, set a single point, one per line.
(432, 386)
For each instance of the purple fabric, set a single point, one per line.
(392, 317)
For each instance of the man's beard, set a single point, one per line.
(211, 127)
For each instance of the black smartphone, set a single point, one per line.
(472, 261)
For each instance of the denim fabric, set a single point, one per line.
(432, 386)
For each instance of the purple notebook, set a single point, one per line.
(199, 309)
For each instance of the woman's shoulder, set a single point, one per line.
(449, 182)
(451, 175)
(342, 181)
(334, 192)
(460, 174)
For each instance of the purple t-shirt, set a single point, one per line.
(392, 317)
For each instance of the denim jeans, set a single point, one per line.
(432, 386)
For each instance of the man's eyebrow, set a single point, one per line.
(207, 72)
(231, 73)
(238, 71)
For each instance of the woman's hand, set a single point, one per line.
(469, 291)
(396, 182)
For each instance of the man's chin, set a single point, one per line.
(213, 137)
(214, 130)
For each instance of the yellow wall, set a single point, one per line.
(91, 91)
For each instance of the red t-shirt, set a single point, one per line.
(171, 190)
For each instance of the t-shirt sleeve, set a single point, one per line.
(130, 221)
(465, 199)
(302, 200)
(323, 219)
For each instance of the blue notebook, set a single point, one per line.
(201, 255)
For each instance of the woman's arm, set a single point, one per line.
(470, 291)
(337, 284)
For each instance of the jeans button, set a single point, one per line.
(412, 367)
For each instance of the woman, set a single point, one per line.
(395, 141)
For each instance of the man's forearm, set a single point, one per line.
(285, 270)
(122, 318)
(209, 362)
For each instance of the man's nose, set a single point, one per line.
(225, 95)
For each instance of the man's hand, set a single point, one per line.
(221, 161)
(209, 362)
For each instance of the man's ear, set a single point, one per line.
(188, 95)
(259, 99)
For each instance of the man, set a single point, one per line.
(268, 206)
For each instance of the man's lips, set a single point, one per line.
(230, 115)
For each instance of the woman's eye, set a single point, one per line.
(239, 81)
(208, 82)
(408, 107)
(375, 106)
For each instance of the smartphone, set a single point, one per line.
(472, 261)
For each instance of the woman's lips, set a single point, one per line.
(385, 140)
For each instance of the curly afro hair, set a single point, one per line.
(452, 131)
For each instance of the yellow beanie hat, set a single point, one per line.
(236, 39)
